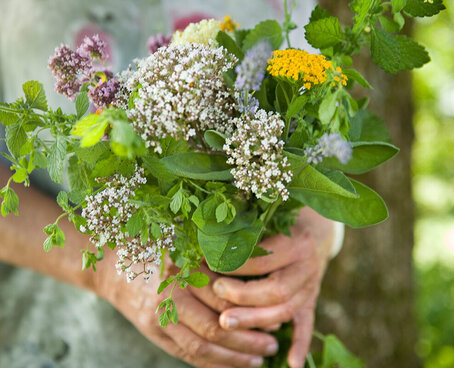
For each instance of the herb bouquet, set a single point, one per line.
(213, 142)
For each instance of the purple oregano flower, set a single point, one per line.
(329, 145)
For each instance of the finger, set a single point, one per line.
(273, 327)
(277, 288)
(262, 317)
(168, 345)
(204, 322)
(303, 325)
(196, 348)
(206, 294)
(285, 250)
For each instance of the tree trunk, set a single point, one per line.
(367, 296)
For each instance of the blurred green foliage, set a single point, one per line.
(433, 168)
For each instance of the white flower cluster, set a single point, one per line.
(181, 91)
(203, 32)
(136, 259)
(107, 213)
(257, 152)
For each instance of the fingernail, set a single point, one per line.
(219, 288)
(272, 349)
(256, 362)
(231, 323)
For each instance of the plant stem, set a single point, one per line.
(310, 361)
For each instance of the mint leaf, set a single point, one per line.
(398, 5)
(362, 9)
(56, 159)
(324, 33)
(165, 283)
(34, 95)
(56, 237)
(10, 201)
(15, 138)
(424, 8)
(62, 200)
(319, 13)
(82, 104)
(396, 53)
(135, 224)
(353, 74)
(197, 280)
(267, 30)
(177, 201)
(6, 117)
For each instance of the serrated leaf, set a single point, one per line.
(92, 154)
(34, 95)
(135, 224)
(198, 280)
(177, 201)
(82, 104)
(324, 33)
(396, 53)
(319, 13)
(56, 159)
(20, 175)
(424, 8)
(164, 284)
(7, 118)
(164, 319)
(84, 124)
(174, 315)
(94, 134)
(269, 30)
(10, 201)
(15, 138)
(62, 200)
(353, 74)
(48, 244)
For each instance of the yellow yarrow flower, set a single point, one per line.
(203, 32)
(229, 24)
(299, 65)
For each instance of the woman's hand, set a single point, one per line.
(289, 292)
(197, 338)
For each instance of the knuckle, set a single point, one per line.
(195, 349)
(212, 331)
(281, 293)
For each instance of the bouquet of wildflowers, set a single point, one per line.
(214, 141)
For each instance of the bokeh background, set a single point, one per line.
(389, 295)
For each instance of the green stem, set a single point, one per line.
(318, 335)
(310, 361)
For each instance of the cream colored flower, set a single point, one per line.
(203, 32)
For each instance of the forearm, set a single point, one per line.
(22, 237)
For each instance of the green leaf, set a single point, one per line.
(20, 175)
(92, 154)
(56, 237)
(395, 53)
(424, 8)
(105, 167)
(56, 159)
(353, 74)
(389, 24)
(174, 314)
(135, 224)
(10, 201)
(158, 169)
(228, 252)
(366, 156)
(34, 95)
(82, 126)
(328, 108)
(198, 280)
(259, 252)
(62, 200)
(296, 106)
(164, 284)
(82, 104)
(336, 355)
(368, 209)
(200, 166)
(15, 138)
(362, 9)
(123, 133)
(215, 139)
(310, 179)
(367, 127)
(324, 33)
(221, 212)
(229, 43)
(164, 319)
(177, 201)
(7, 118)
(94, 134)
(319, 13)
(269, 30)
(398, 5)
(48, 244)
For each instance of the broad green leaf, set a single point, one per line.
(15, 138)
(324, 33)
(335, 354)
(221, 212)
(259, 252)
(6, 117)
(396, 53)
(177, 201)
(319, 13)
(328, 108)
(296, 106)
(367, 127)
(215, 139)
(123, 133)
(78, 175)
(424, 8)
(56, 159)
(165, 283)
(200, 166)
(198, 279)
(20, 175)
(92, 154)
(10, 201)
(229, 43)
(105, 167)
(94, 134)
(86, 123)
(388, 24)
(310, 179)
(135, 224)
(82, 104)
(34, 95)
(366, 156)
(228, 252)
(353, 74)
(398, 5)
(158, 169)
(269, 30)
(368, 209)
